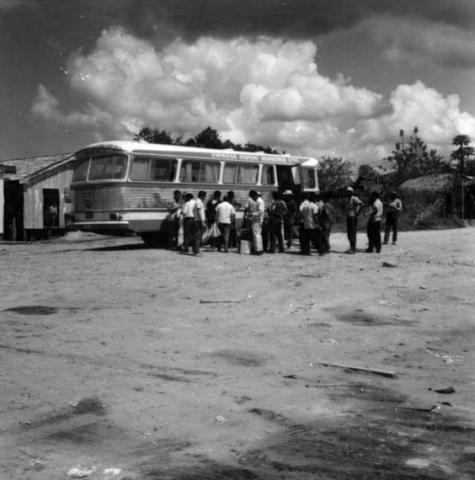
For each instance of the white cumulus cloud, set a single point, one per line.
(265, 90)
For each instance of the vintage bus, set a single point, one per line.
(127, 186)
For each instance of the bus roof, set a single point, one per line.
(202, 153)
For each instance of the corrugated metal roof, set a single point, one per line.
(26, 167)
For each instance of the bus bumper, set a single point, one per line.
(120, 226)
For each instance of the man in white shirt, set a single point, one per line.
(199, 222)
(188, 213)
(374, 223)
(225, 215)
(392, 217)
(255, 214)
(308, 224)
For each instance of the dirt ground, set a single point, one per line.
(136, 363)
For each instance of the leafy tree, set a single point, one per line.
(209, 138)
(411, 158)
(367, 172)
(334, 173)
(154, 136)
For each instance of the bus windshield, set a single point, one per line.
(80, 172)
(108, 167)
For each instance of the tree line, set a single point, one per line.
(410, 158)
(207, 138)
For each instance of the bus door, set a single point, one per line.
(309, 179)
(286, 177)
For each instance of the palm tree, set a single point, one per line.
(463, 151)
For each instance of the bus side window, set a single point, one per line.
(163, 169)
(268, 177)
(139, 170)
(195, 171)
(240, 173)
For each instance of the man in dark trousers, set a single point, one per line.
(353, 207)
(290, 216)
(277, 211)
(308, 211)
(392, 217)
(326, 221)
(374, 223)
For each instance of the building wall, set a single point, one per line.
(33, 197)
(2, 206)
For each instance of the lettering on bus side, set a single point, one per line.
(252, 158)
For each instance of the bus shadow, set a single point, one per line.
(119, 248)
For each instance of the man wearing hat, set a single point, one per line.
(353, 208)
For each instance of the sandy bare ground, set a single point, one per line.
(168, 366)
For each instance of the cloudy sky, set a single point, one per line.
(314, 77)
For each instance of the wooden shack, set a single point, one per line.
(35, 196)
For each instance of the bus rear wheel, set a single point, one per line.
(153, 239)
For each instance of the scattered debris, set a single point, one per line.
(220, 419)
(446, 358)
(38, 465)
(389, 265)
(422, 287)
(81, 471)
(418, 462)
(32, 310)
(112, 472)
(242, 399)
(89, 405)
(383, 373)
(329, 385)
(447, 390)
(219, 301)
(421, 409)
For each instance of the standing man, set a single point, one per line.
(353, 207)
(173, 219)
(254, 211)
(188, 221)
(326, 221)
(225, 216)
(277, 212)
(392, 216)
(199, 222)
(290, 216)
(308, 215)
(374, 223)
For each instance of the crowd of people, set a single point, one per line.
(192, 222)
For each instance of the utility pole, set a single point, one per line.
(462, 190)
